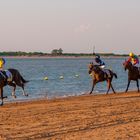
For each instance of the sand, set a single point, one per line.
(86, 117)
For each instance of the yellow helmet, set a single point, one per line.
(131, 54)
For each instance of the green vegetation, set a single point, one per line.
(19, 53)
(56, 52)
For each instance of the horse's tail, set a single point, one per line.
(114, 74)
(23, 80)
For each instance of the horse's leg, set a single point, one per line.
(93, 85)
(112, 88)
(127, 85)
(109, 85)
(13, 85)
(1, 96)
(23, 91)
(137, 84)
(21, 84)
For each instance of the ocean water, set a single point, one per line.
(76, 80)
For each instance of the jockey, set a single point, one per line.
(100, 63)
(2, 72)
(2, 62)
(134, 60)
(5, 73)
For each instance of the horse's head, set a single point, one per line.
(90, 68)
(94, 68)
(127, 65)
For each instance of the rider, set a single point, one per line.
(134, 60)
(101, 64)
(98, 60)
(5, 73)
(2, 63)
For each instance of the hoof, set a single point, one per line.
(5, 97)
(14, 96)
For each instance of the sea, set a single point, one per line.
(62, 77)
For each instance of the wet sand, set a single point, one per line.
(86, 117)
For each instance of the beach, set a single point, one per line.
(85, 117)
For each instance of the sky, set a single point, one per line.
(76, 26)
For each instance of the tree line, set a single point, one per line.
(55, 52)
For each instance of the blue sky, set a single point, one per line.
(73, 25)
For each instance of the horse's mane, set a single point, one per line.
(97, 68)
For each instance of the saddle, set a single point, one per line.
(106, 73)
(7, 75)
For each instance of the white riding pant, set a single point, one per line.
(102, 67)
(137, 65)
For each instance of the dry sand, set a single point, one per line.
(87, 117)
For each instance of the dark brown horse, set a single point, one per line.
(133, 74)
(98, 75)
(16, 80)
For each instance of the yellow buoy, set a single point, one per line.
(46, 78)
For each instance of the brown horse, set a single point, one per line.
(133, 74)
(16, 80)
(98, 75)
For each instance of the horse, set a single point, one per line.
(98, 75)
(13, 78)
(133, 74)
